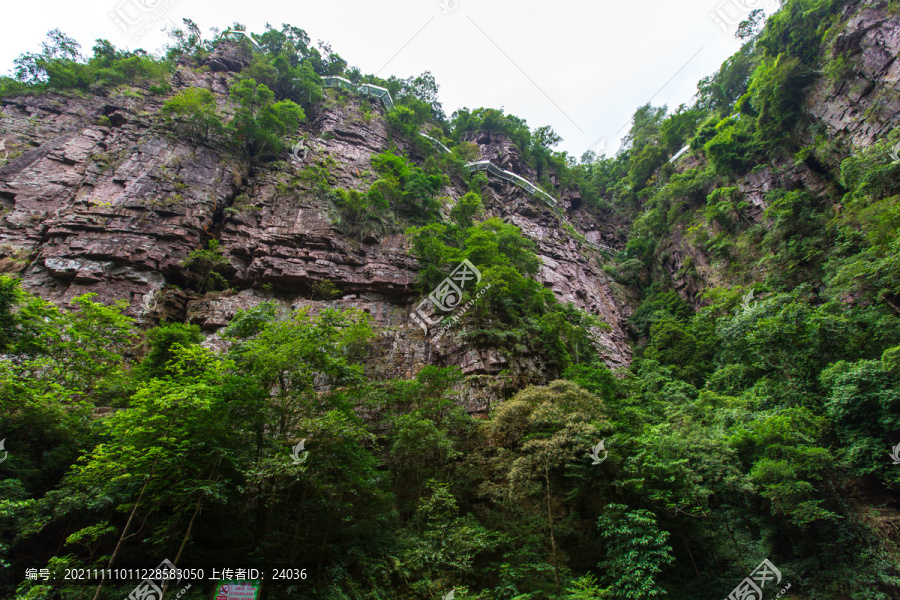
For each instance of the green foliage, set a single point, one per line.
(162, 453)
(789, 468)
(404, 120)
(491, 120)
(744, 427)
(407, 189)
(544, 431)
(193, 111)
(466, 209)
(636, 552)
(204, 266)
(864, 403)
(732, 149)
(282, 68)
(724, 206)
(60, 66)
(797, 30)
(360, 212)
(867, 264)
(187, 41)
(585, 588)
(260, 123)
(645, 163)
(718, 93)
(420, 94)
(10, 296)
(325, 290)
(288, 356)
(164, 341)
(445, 544)
(776, 90)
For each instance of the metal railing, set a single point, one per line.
(680, 152)
(434, 141)
(237, 32)
(367, 89)
(486, 165)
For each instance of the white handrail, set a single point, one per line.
(486, 165)
(384, 95)
(243, 33)
(434, 141)
(680, 152)
(368, 89)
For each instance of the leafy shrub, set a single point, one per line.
(406, 188)
(193, 111)
(60, 66)
(260, 123)
(733, 149)
(204, 266)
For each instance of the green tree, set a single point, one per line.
(165, 454)
(546, 429)
(259, 122)
(444, 544)
(585, 588)
(164, 341)
(636, 552)
(864, 403)
(293, 357)
(204, 266)
(193, 111)
(58, 47)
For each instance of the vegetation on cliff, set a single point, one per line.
(755, 421)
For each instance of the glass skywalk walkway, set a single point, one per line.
(370, 89)
(367, 89)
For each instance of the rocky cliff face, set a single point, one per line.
(853, 105)
(98, 198)
(861, 101)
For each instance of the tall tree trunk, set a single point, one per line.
(187, 536)
(124, 534)
(691, 554)
(550, 521)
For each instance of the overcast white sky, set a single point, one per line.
(579, 66)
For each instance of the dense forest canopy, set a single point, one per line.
(754, 423)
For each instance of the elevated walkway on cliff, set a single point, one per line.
(366, 89)
(487, 166)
